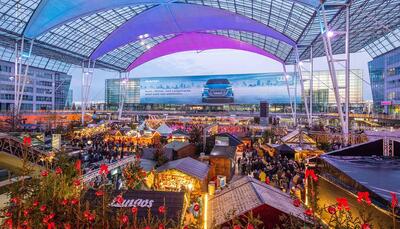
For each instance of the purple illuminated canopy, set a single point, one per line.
(196, 41)
(52, 13)
(180, 18)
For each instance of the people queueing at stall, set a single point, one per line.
(278, 171)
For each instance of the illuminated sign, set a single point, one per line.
(386, 103)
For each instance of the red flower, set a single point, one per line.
(8, 214)
(35, 203)
(185, 227)
(119, 199)
(196, 207)
(308, 212)
(342, 204)
(67, 226)
(103, 170)
(363, 196)
(52, 215)
(250, 226)
(124, 219)
(331, 210)
(14, 200)
(74, 201)
(134, 210)
(311, 173)
(43, 208)
(77, 182)
(64, 202)
(44, 173)
(365, 226)
(161, 209)
(99, 193)
(26, 212)
(161, 226)
(236, 227)
(147, 227)
(78, 165)
(296, 203)
(86, 214)
(395, 201)
(59, 171)
(91, 217)
(27, 141)
(9, 223)
(51, 225)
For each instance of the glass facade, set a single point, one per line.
(44, 90)
(187, 90)
(323, 94)
(385, 82)
(113, 92)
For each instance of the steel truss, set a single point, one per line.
(21, 77)
(87, 77)
(388, 147)
(286, 76)
(123, 88)
(327, 35)
(302, 80)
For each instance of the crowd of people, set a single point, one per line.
(279, 171)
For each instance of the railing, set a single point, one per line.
(121, 163)
(15, 147)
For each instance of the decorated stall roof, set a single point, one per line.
(246, 194)
(187, 165)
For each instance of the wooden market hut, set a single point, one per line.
(246, 195)
(179, 135)
(180, 149)
(222, 161)
(183, 174)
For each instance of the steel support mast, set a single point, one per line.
(123, 88)
(21, 77)
(87, 77)
(286, 76)
(327, 35)
(303, 92)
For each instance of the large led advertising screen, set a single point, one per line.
(216, 89)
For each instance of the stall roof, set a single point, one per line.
(187, 165)
(147, 165)
(377, 174)
(163, 129)
(233, 140)
(148, 153)
(176, 145)
(225, 151)
(295, 136)
(247, 193)
(180, 133)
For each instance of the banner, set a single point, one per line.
(216, 89)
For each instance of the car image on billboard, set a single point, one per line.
(217, 91)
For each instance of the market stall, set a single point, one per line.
(183, 174)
